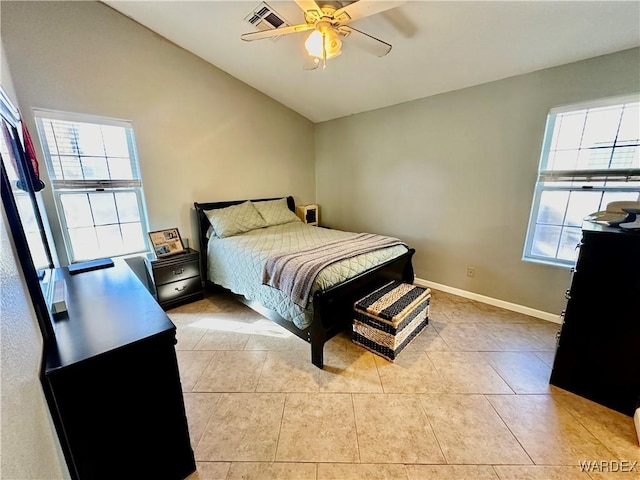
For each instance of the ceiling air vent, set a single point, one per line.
(263, 17)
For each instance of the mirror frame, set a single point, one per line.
(11, 116)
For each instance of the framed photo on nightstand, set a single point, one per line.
(166, 242)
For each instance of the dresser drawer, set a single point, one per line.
(172, 273)
(182, 288)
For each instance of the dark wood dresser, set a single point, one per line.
(112, 381)
(598, 352)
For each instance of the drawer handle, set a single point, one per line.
(179, 272)
(184, 287)
(567, 295)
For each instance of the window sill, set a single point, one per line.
(550, 263)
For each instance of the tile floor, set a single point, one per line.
(468, 399)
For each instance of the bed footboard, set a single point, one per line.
(333, 308)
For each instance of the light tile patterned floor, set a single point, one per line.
(468, 399)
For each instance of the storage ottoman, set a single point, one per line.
(386, 320)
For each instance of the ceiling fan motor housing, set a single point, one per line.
(332, 42)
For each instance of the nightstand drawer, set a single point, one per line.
(182, 288)
(172, 273)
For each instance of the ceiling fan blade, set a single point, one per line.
(310, 8)
(311, 63)
(401, 22)
(363, 8)
(366, 42)
(275, 32)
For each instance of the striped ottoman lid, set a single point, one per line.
(393, 301)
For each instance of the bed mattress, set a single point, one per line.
(237, 263)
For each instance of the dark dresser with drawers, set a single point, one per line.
(175, 280)
(112, 381)
(598, 351)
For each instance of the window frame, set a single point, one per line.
(587, 177)
(60, 187)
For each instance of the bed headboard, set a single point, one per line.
(204, 224)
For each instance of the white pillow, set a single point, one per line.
(235, 219)
(276, 212)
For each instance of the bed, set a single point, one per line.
(236, 260)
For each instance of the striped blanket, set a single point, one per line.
(294, 273)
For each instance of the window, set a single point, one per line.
(590, 157)
(95, 178)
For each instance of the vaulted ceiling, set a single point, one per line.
(437, 46)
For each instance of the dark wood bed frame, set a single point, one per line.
(332, 308)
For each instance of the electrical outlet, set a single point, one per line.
(471, 271)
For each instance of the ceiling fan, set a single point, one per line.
(329, 25)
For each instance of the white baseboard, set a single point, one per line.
(532, 312)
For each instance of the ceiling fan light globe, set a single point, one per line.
(332, 44)
(313, 44)
(333, 55)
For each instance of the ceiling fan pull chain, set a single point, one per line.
(324, 50)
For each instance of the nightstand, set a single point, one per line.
(308, 214)
(175, 280)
